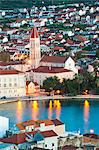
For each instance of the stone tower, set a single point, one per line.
(35, 55)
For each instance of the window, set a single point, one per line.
(10, 84)
(4, 85)
(15, 84)
(52, 144)
(14, 79)
(45, 145)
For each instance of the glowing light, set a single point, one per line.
(55, 103)
(86, 103)
(35, 110)
(50, 110)
(50, 104)
(86, 114)
(35, 104)
(29, 62)
(58, 91)
(58, 109)
(58, 104)
(19, 111)
(91, 131)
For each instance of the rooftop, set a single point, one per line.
(37, 123)
(45, 69)
(9, 72)
(57, 122)
(34, 33)
(21, 137)
(54, 59)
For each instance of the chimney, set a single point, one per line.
(50, 68)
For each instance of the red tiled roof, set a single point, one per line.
(48, 133)
(45, 69)
(21, 137)
(34, 33)
(57, 122)
(95, 136)
(22, 125)
(57, 48)
(81, 38)
(70, 42)
(8, 72)
(69, 147)
(11, 63)
(54, 59)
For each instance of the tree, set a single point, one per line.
(51, 83)
(79, 78)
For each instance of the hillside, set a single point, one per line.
(29, 3)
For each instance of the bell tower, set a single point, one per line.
(35, 55)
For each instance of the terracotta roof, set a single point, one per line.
(9, 72)
(45, 69)
(11, 63)
(81, 38)
(34, 33)
(21, 137)
(37, 123)
(48, 133)
(57, 122)
(70, 42)
(94, 136)
(57, 48)
(69, 147)
(54, 59)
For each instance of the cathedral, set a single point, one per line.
(48, 66)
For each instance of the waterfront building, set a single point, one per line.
(40, 133)
(4, 125)
(42, 125)
(48, 66)
(45, 139)
(12, 83)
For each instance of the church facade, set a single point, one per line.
(48, 66)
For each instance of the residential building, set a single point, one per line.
(4, 125)
(12, 83)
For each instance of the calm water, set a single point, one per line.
(75, 115)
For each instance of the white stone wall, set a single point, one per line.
(4, 125)
(70, 65)
(52, 64)
(13, 85)
(60, 129)
(40, 77)
(49, 143)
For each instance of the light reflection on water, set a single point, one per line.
(19, 111)
(86, 115)
(75, 114)
(35, 110)
(54, 106)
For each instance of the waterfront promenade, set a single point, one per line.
(30, 98)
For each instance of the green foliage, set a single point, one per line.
(51, 83)
(81, 82)
(97, 53)
(81, 26)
